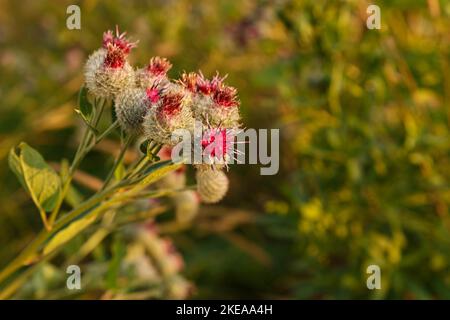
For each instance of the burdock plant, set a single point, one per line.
(146, 106)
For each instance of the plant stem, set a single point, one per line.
(44, 219)
(112, 127)
(67, 180)
(82, 150)
(150, 157)
(12, 287)
(133, 168)
(15, 284)
(141, 164)
(29, 251)
(118, 161)
(96, 203)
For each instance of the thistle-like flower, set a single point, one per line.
(154, 74)
(147, 101)
(133, 104)
(218, 148)
(170, 113)
(212, 185)
(213, 101)
(107, 71)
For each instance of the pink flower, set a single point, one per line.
(153, 94)
(207, 86)
(218, 143)
(170, 104)
(158, 66)
(189, 81)
(226, 97)
(118, 47)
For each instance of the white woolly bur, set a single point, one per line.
(160, 130)
(205, 109)
(106, 82)
(131, 107)
(146, 80)
(212, 185)
(159, 127)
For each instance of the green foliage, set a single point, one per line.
(68, 233)
(364, 122)
(36, 176)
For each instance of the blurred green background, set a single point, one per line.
(363, 116)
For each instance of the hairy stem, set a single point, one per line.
(34, 246)
(83, 149)
(118, 160)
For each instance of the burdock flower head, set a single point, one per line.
(132, 105)
(154, 74)
(171, 112)
(107, 71)
(216, 106)
(218, 148)
(213, 101)
(147, 102)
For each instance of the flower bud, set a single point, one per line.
(218, 148)
(172, 112)
(154, 74)
(131, 107)
(107, 72)
(212, 185)
(213, 101)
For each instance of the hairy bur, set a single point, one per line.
(212, 185)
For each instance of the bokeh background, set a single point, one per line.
(364, 153)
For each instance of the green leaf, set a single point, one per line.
(68, 233)
(38, 178)
(156, 172)
(14, 165)
(84, 105)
